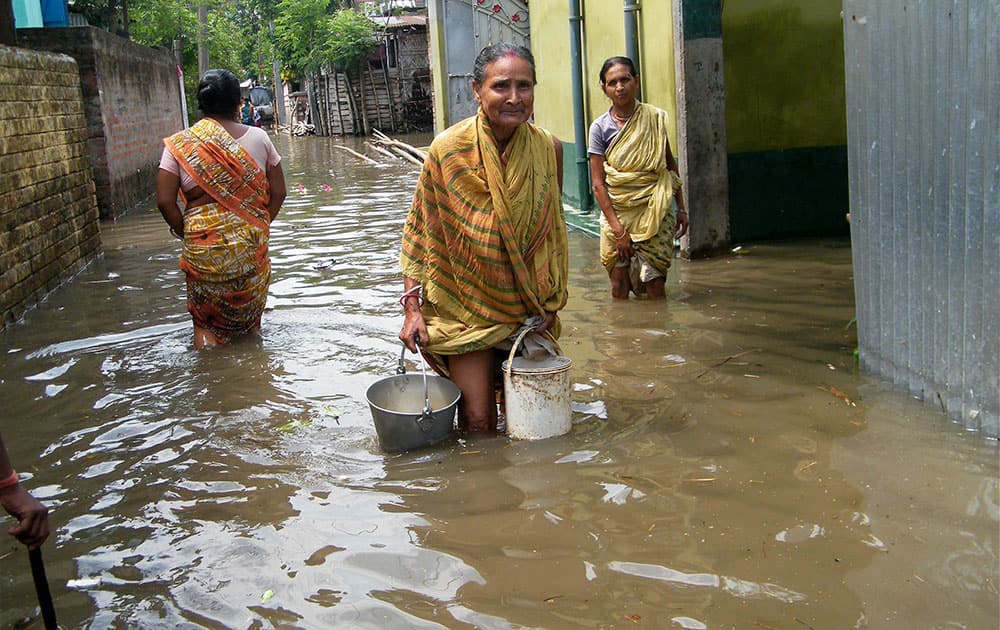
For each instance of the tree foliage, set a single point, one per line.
(310, 36)
(245, 36)
(349, 38)
(299, 28)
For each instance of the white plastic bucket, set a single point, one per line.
(537, 396)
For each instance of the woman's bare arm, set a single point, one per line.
(167, 187)
(276, 178)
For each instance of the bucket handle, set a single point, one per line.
(517, 342)
(426, 418)
(401, 367)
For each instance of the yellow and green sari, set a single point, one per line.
(225, 257)
(642, 189)
(486, 236)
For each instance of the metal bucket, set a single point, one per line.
(537, 395)
(412, 411)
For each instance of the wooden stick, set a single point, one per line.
(378, 149)
(386, 140)
(405, 154)
(726, 360)
(421, 155)
(356, 154)
(42, 589)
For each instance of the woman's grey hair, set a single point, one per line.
(218, 93)
(493, 52)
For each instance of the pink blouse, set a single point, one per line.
(255, 140)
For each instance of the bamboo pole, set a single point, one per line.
(321, 102)
(315, 101)
(363, 130)
(331, 81)
(403, 153)
(388, 89)
(390, 142)
(356, 154)
(351, 104)
(340, 109)
(328, 113)
(378, 149)
(378, 104)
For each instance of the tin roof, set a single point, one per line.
(400, 21)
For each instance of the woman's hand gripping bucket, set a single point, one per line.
(537, 394)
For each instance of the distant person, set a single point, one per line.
(32, 517)
(230, 178)
(246, 111)
(637, 186)
(484, 247)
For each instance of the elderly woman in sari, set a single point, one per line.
(230, 179)
(484, 248)
(636, 184)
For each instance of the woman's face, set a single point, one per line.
(507, 94)
(620, 86)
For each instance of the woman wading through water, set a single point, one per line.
(636, 185)
(484, 246)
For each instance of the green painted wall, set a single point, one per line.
(784, 74)
(702, 19)
(785, 118)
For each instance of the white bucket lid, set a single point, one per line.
(548, 363)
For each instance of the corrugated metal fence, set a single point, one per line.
(923, 117)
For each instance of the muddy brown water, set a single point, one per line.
(728, 465)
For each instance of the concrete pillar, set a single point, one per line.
(438, 65)
(701, 125)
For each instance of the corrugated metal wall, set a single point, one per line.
(923, 117)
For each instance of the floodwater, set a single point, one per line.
(728, 466)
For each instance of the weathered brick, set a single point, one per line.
(48, 214)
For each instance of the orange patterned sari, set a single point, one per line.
(225, 242)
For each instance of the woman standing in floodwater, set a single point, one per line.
(230, 178)
(485, 239)
(636, 185)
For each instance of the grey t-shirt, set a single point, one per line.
(602, 132)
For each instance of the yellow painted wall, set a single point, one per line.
(656, 47)
(549, 22)
(784, 73)
(604, 36)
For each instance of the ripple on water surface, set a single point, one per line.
(713, 478)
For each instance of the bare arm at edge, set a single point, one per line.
(167, 187)
(32, 517)
(279, 190)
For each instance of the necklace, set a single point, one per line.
(621, 119)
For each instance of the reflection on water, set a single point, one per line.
(727, 467)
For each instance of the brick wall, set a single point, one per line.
(132, 101)
(48, 212)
